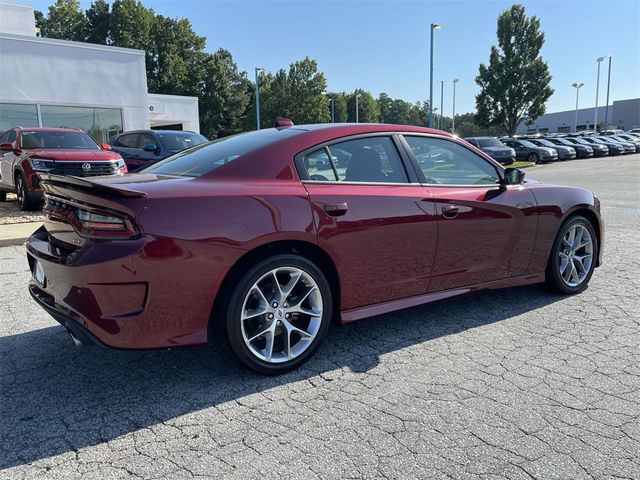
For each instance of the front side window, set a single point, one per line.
(146, 139)
(57, 140)
(364, 160)
(444, 162)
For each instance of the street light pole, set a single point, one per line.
(434, 26)
(357, 114)
(440, 119)
(577, 86)
(595, 120)
(258, 70)
(435, 114)
(333, 112)
(606, 111)
(453, 122)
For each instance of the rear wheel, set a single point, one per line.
(27, 203)
(573, 257)
(278, 315)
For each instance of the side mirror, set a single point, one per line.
(6, 147)
(512, 176)
(105, 146)
(149, 147)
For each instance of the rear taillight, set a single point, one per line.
(89, 221)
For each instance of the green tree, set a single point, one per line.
(65, 21)
(340, 107)
(225, 96)
(98, 23)
(297, 94)
(516, 83)
(368, 109)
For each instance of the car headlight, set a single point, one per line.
(120, 164)
(39, 165)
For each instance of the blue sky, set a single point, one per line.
(382, 45)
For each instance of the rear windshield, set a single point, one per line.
(206, 157)
(489, 142)
(180, 141)
(57, 140)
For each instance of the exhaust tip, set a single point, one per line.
(75, 339)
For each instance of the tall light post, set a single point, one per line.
(440, 119)
(333, 111)
(434, 26)
(435, 114)
(357, 114)
(453, 123)
(606, 111)
(258, 70)
(595, 119)
(577, 86)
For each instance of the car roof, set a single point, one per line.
(157, 131)
(479, 138)
(49, 129)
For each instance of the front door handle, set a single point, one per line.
(335, 209)
(450, 211)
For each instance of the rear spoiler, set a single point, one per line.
(80, 183)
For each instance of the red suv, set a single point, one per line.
(26, 152)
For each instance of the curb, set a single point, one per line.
(17, 233)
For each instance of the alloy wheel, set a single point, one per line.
(281, 314)
(576, 255)
(19, 188)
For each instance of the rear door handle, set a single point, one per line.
(335, 209)
(450, 211)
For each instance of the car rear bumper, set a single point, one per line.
(135, 294)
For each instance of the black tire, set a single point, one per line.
(533, 157)
(228, 330)
(3, 196)
(553, 278)
(27, 203)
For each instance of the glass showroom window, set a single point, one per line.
(100, 123)
(16, 115)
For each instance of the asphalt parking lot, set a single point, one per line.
(518, 384)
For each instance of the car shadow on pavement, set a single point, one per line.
(55, 398)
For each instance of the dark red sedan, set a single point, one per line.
(260, 240)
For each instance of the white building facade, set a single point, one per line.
(621, 114)
(100, 89)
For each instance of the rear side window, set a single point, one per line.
(127, 141)
(364, 160)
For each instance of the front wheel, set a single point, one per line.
(533, 157)
(27, 203)
(278, 314)
(573, 256)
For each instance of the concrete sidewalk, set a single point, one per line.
(17, 233)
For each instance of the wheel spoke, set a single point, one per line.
(262, 298)
(255, 313)
(268, 348)
(279, 292)
(263, 332)
(563, 264)
(574, 272)
(288, 288)
(577, 238)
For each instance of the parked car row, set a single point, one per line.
(26, 153)
(539, 148)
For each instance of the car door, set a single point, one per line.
(371, 215)
(127, 145)
(521, 152)
(486, 231)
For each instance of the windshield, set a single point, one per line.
(180, 141)
(527, 144)
(206, 157)
(58, 140)
(546, 143)
(489, 142)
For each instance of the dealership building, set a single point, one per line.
(622, 114)
(97, 88)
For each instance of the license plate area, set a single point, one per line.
(38, 274)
